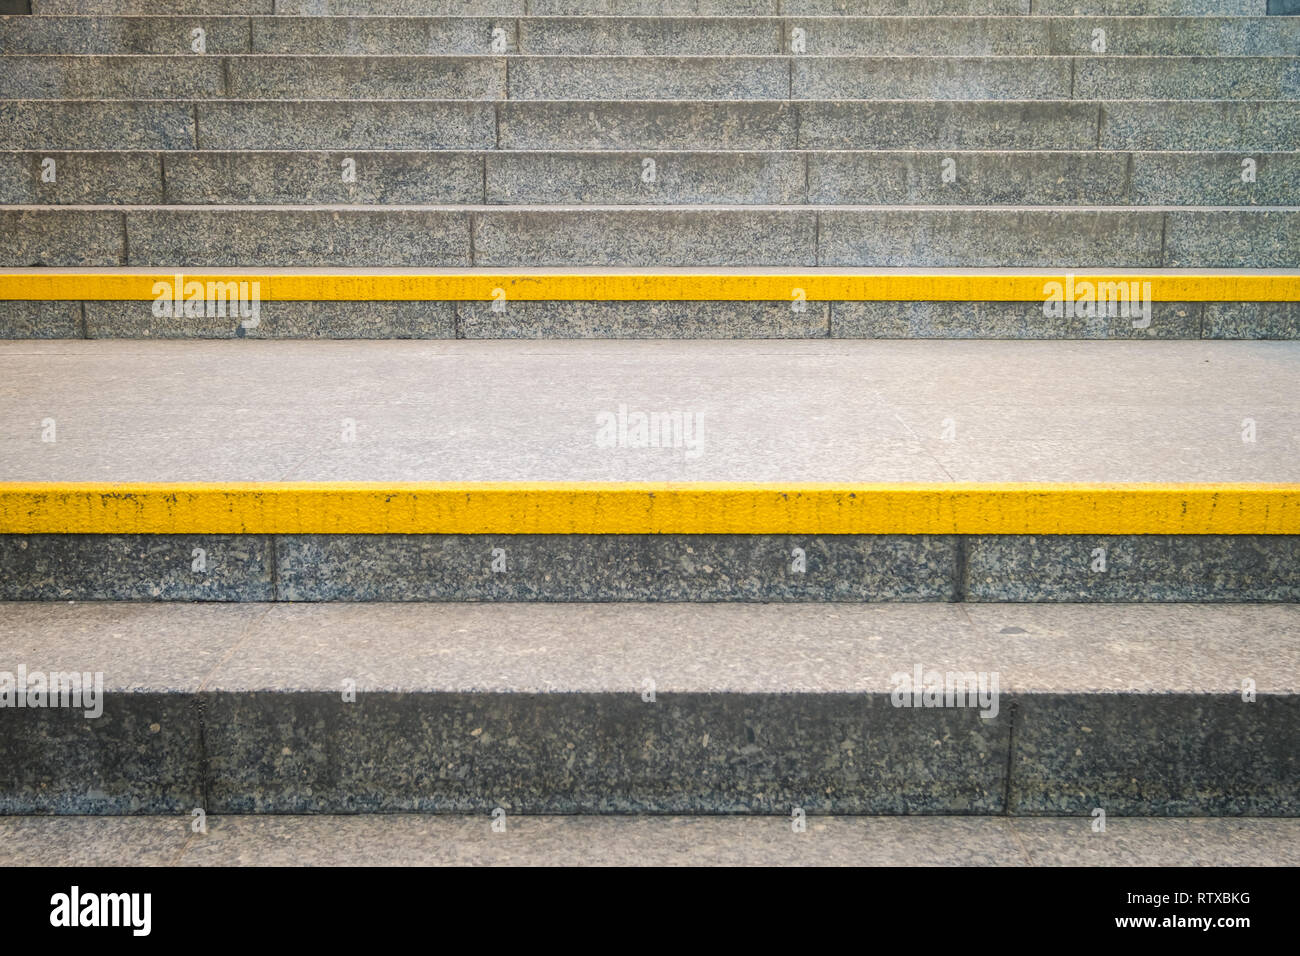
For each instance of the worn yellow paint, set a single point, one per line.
(46, 285)
(600, 508)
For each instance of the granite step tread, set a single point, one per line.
(666, 709)
(879, 412)
(943, 412)
(451, 840)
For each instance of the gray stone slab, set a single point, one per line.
(1252, 320)
(615, 568)
(280, 319)
(650, 36)
(1187, 78)
(721, 178)
(637, 320)
(118, 34)
(93, 567)
(919, 36)
(402, 8)
(286, 77)
(40, 320)
(284, 236)
(637, 8)
(568, 753)
(1068, 238)
(93, 841)
(645, 840)
(141, 755)
(947, 125)
(1177, 36)
(1205, 568)
(149, 647)
(1154, 8)
(1145, 841)
(888, 7)
(892, 177)
(55, 236)
(150, 7)
(1185, 754)
(452, 840)
(845, 648)
(930, 78)
(249, 124)
(111, 178)
(112, 77)
(1232, 125)
(647, 125)
(386, 35)
(649, 78)
(307, 177)
(640, 237)
(1005, 320)
(1215, 179)
(1147, 650)
(1252, 239)
(1160, 411)
(36, 124)
(684, 648)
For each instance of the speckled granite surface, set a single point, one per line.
(416, 840)
(656, 708)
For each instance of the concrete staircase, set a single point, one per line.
(700, 577)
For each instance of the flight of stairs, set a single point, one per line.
(321, 574)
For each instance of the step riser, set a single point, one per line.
(880, 178)
(600, 236)
(992, 568)
(1064, 125)
(652, 78)
(650, 320)
(838, 36)
(304, 752)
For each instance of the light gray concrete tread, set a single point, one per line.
(1060, 649)
(843, 411)
(646, 840)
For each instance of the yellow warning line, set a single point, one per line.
(600, 508)
(38, 285)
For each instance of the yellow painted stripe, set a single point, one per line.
(598, 508)
(39, 285)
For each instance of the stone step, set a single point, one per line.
(657, 36)
(836, 518)
(615, 78)
(1236, 126)
(398, 839)
(603, 177)
(1181, 710)
(668, 7)
(682, 304)
(651, 236)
